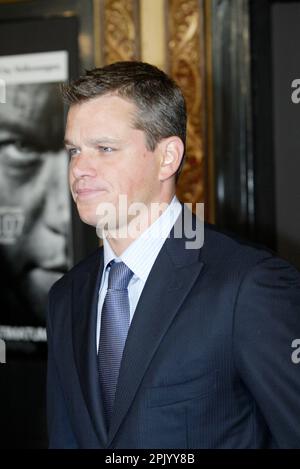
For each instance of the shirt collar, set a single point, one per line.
(142, 252)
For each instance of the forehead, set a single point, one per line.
(102, 109)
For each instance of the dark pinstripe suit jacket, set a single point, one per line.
(207, 362)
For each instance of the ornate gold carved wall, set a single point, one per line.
(184, 58)
(121, 30)
(186, 66)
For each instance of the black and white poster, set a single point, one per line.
(35, 211)
(39, 235)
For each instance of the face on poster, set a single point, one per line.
(35, 214)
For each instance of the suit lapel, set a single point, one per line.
(85, 300)
(171, 278)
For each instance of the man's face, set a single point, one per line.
(33, 176)
(109, 157)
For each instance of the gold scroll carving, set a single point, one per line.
(186, 66)
(121, 30)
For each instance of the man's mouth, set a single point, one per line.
(87, 193)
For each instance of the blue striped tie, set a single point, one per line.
(115, 320)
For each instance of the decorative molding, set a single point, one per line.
(186, 66)
(153, 32)
(121, 30)
(98, 39)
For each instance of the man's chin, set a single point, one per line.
(89, 221)
(88, 218)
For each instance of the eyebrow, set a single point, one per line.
(94, 141)
(68, 142)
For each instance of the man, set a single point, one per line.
(34, 203)
(206, 360)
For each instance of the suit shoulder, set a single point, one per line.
(225, 247)
(85, 265)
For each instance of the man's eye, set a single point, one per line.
(104, 149)
(72, 151)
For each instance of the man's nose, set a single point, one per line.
(82, 165)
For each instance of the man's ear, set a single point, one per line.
(171, 150)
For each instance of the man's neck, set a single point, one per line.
(137, 226)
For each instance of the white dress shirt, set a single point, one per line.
(139, 257)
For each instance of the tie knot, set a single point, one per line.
(119, 276)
